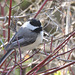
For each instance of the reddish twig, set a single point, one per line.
(8, 73)
(20, 56)
(71, 71)
(48, 70)
(58, 55)
(20, 63)
(44, 49)
(64, 66)
(64, 42)
(39, 64)
(15, 55)
(5, 59)
(41, 7)
(29, 57)
(9, 20)
(51, 44)
(6, 66)
(34, 73)
(55, 57)
(69, 55)
(70, 67)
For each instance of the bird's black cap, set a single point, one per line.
(35, 22)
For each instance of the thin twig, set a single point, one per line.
(20, 56)
(64, 66)
(51, 44)
(9, 20)
(41, 8)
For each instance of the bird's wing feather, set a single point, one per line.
(17, 34)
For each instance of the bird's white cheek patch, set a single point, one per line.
(29, 26)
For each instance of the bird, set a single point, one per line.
(29, 36)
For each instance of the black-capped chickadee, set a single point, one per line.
(29, 36)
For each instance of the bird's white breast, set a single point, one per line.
(36, 43)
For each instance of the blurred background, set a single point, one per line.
(58, 21)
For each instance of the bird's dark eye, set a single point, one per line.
(35, 22)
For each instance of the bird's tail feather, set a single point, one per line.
(5, 56)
